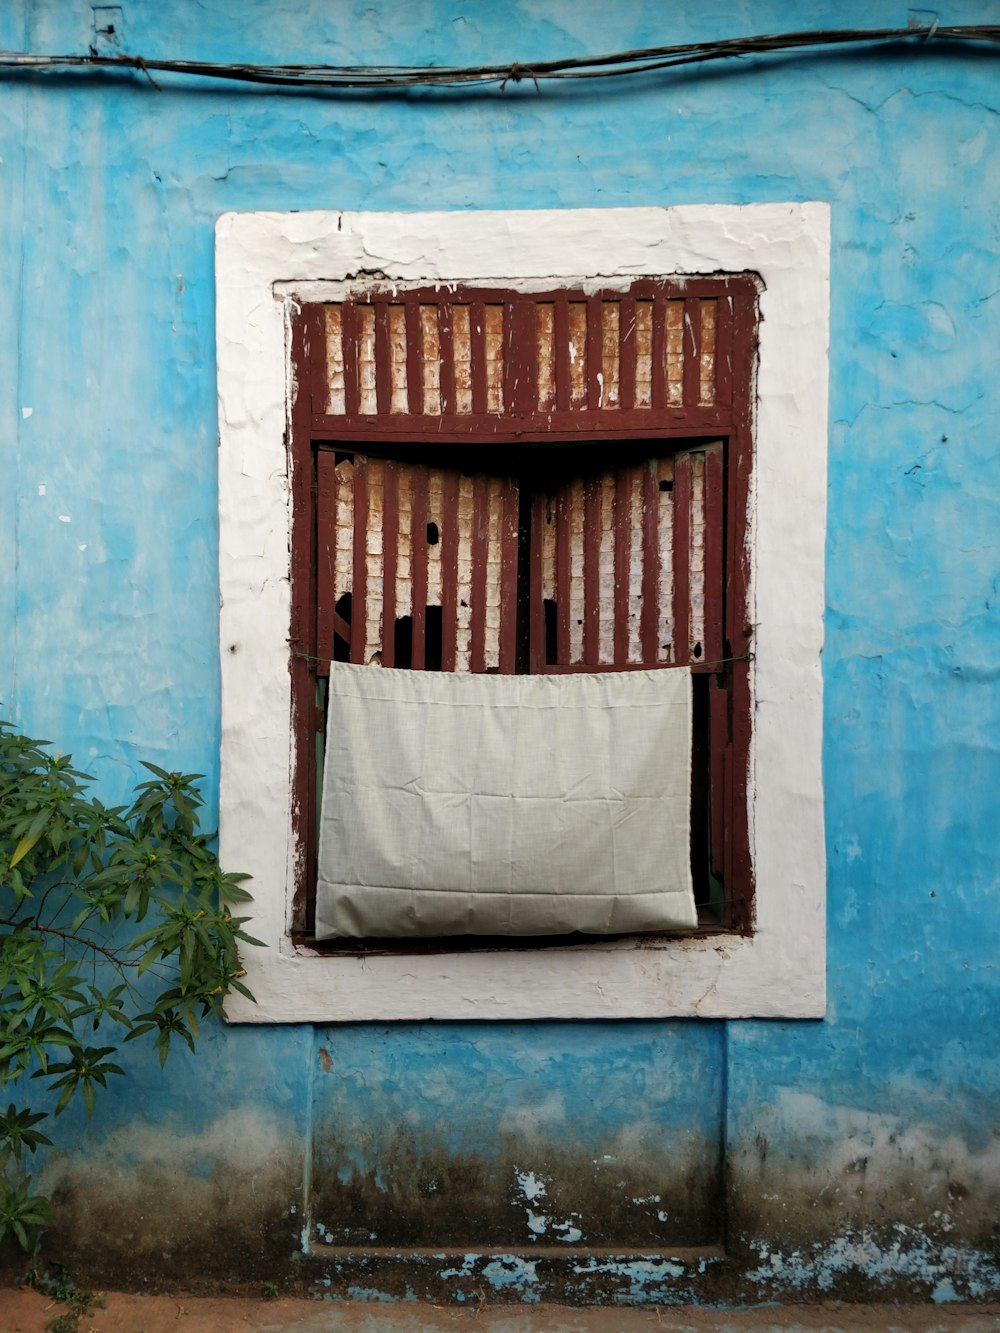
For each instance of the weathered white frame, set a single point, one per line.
(266, 260)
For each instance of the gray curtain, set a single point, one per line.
(505, 805)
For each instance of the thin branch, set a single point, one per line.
(109, 953)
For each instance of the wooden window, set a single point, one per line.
(495, 481)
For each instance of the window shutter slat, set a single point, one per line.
(651, 545)
(681, 558)
(326, 551)
(627, 353)
(477, 347)
(383, 364)
(349, 335)
(419, 567)
(706, 353)
(449, 570)
(562, 353)
(414, 359)
(658, 367)
(520, 346)
(390, 560)
(691, 354)
(562, 517)
(508, 579)
(591, 571)
(480, 558)
(724, 351)
(447, 351)
(359, 596)
(536, 595)
(714, 553)
(623, 561)
(594, 353)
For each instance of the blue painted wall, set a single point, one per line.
(863, 1147)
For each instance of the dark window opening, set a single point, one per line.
(403, 640)
(342, 640)
(434, 642)
(551, 613)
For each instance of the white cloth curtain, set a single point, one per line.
(505, 805)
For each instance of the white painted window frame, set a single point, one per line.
(265, 262)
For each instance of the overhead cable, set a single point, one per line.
(401, 77)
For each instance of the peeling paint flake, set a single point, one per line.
(510, 1272)
(532, 1187)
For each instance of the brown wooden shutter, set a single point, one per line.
(417, 564)
(566, 359)
(490, 480)
(610, 565)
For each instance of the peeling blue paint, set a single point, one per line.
(369, 1294)
(512, 1273)
(467, 1269)
(647, 1280)
(945, 1272)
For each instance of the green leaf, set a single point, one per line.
(30, 839)
(140, 1030)
(148, 959)
(20, 1211)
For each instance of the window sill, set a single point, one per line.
(704, 975)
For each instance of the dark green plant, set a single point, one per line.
(57, 1284)
(76, 980)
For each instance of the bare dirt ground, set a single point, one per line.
(23, 1311)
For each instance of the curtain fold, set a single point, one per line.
(505, 805)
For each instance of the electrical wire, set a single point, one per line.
(403, 77)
